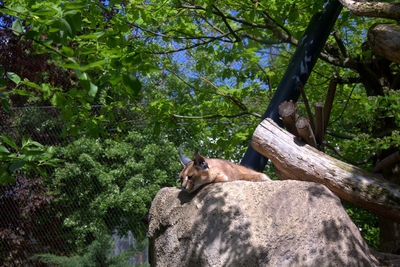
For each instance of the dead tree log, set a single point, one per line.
(303, 162)
(384, 40)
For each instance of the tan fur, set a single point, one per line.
(218, 171)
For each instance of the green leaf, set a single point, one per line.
(58, 100)
(31, 84)
(91, 36)
(67, 51)
(65, 26)
(45, 12)
(9, 141)
(84, 76)
(26, 141)
(92, 89)
(45, 88)
(6, 105)
(4, 150)
(8, 12)
(74, 19)
(74, 66)
(16, 165)
(4, 95)
(156, 129)
(132, 84)
(14, 77)
(17, 27)
(96, 64)
(22, 92)
(5, 177)
(75, 5)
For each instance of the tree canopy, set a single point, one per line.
(200, 63)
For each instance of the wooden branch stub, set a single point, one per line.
(350, 183)
(319, 124)
(305, 132)
(329, 101)
(288, 114)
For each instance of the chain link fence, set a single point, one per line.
(29, 223)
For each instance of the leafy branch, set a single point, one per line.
(31, 155)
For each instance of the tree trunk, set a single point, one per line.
(295, 160)
(384, 40)
(373, 9)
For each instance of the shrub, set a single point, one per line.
(107, 185)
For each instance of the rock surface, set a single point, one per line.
(277, 223)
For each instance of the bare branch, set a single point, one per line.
(339, 135)
(347, 62)
(226, 23)
(180, 49)
(230, 17)
(285, 36)
(347, 80)
(215, 116)
(340, 43)
(262, 41)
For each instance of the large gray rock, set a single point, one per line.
(277, 223)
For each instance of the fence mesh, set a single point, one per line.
(29, 223)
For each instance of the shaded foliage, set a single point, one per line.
(108, 185)
(98, 254)
(24, 225)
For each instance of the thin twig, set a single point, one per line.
(345, 106)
